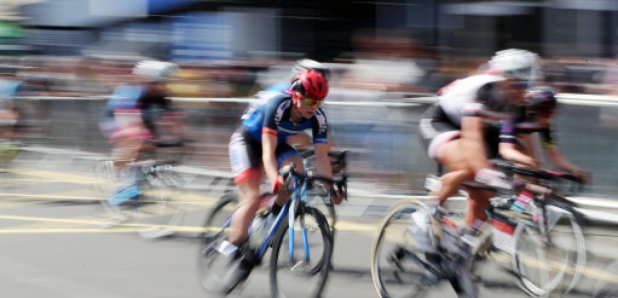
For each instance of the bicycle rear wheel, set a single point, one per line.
(303, 274)
(398, 266)
(220, 214)
(217, 273)
(550, 257)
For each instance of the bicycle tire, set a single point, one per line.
(105, 179)
(319, 271)
(605, 287)
(157, 212)
(563, 240)
(398, 217)
(217, 217)
(331, 213)
(217, 274)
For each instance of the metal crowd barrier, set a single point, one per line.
(382, 135)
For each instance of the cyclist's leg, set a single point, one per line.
(441, 140)
(478, 203)
(249, 202)
(245, 158)
(127, 145)
(450, 156)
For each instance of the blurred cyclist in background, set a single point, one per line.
(260, 145)
(516, 141)
(10, 88)
(461, 131)
(130, 121)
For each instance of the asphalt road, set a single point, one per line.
(53, 246)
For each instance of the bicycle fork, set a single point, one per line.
(291, 236)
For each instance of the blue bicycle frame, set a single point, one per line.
(299, 191)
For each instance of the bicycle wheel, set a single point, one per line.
(157, 213)
(220, 214)
(607, 284)
(550, 256)
(106, 177)
(303, 274)
(218, 274)
(398, 266)
(323, 202)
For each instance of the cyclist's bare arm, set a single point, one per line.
(322, 160)
(510, 152)
(558, 159)
(269, 144)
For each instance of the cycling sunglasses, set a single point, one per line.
(312, 101)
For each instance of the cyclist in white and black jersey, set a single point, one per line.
(537, 119)
(461, 131)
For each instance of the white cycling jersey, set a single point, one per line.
(460, 95)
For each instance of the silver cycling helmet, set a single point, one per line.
(309, 64)
(154, 70)
(516, 64)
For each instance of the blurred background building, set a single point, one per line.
(444, 37)
(379, 51)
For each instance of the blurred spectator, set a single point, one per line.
(9, 88)
(609, 82)
(385, 64)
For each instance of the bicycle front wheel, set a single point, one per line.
(157, 213)
(299, 266)
(549, 255)
(398, 265)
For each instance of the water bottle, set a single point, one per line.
(521, 202)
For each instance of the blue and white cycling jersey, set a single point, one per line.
(271, 114)
(125, 97)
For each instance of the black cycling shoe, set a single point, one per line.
(239, 268)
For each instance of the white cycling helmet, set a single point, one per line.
(516, 64)
(154, 70)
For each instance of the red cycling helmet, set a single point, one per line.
(311, 83)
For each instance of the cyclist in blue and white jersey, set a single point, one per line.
(129, 120)
(301, 139)
(260, 145)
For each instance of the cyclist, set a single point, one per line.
(129, 121)
(301, 139)
(461, 131)
(260, 145)
(516, 140)
(9, 88)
